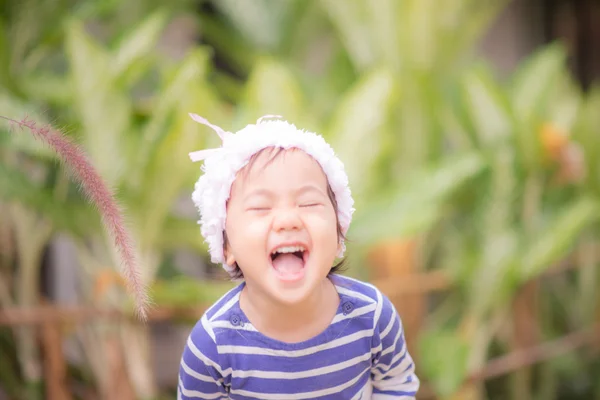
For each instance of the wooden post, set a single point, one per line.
(55, 366)
(120, 387)
(525, 335)
(397, 259)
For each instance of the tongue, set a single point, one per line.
(288, 264)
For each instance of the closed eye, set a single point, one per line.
(311, 205)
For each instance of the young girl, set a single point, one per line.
(275, 206)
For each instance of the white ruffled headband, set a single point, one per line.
(221, 165)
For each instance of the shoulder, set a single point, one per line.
(202, 335)
(201, 351)
(224, 303)
(366, 293)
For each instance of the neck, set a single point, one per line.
(282, 320)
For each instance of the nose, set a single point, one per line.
(286, 219)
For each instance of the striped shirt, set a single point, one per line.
(361, 355)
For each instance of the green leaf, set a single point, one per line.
(48, 87)
(185, 292)
(349, 20)
(530, 94)
(21, 139)
(486, 107)
(104, 110)
(494, 281)
(191, 69)
(444, 360)
(556, 239)
(417, 205)
(383, 25)
(240, 57)
(586, 134)
(73, 216)
(161, 187)
(419, 32)
(260, 21)
(6, 80)
(462, 23)
(358, 123)
(564, 105)
(177, 233)
(138, 43)
(535, 80)
(261, 98)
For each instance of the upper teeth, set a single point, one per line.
(289, 249)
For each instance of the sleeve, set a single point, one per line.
(200, 374)
(393, 370)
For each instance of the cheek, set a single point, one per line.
(324, 227)
(246, 232)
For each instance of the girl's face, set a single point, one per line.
(281, 226)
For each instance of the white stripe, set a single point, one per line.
(353, 293)
(355, 313)
(389, 326)
(397, 384)
(295, 353)
(369, 285)
(375, 350)
(198, 395)
(206, 360)
(225, 324)
(361, 392)
(378, 396)
(402, 367)
(301, 374)
(226, 307)
(216, 304)
(382, 369)
(188, 370)
(303, 395)
(378, 311)
(392, 347)
(207, 327)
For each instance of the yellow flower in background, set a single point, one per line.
(568, 156)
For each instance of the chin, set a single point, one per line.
(296, 291)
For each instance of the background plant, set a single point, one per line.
(493, 181)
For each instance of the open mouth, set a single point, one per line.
(289, 261)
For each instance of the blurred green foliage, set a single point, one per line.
(498, 178)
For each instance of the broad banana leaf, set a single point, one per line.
(444, 360)
(103, 110)
(554, 240)
(487, 107)
(359, 123)
(414, 208)
(72, 215)
(532, 85)
(273, 89)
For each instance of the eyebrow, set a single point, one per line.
(309, 188)
(258, 193)
(268, 193)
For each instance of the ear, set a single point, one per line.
(229, 257)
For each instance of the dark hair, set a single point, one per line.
(274, 152)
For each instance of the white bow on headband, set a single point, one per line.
(200, 155)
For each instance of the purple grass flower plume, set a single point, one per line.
(101, 197)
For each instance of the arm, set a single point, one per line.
(200, 374)
(393, 372)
